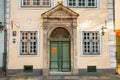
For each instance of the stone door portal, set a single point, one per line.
(59, 29)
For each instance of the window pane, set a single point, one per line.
(72, 3)
(24, 43)
(91, 3)
(81, 3)
(36, 2)
(91, 43)
(33, 42)
(26, 2)
(46, 3)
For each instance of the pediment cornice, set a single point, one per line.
(60, 11)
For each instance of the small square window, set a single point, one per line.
(28, 68)
(91, 68)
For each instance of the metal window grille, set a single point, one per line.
(28, 43)
(91, 43)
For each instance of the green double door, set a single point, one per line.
(60, 56)
(118, 53)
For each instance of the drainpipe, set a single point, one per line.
(4, 68)
(5, 53)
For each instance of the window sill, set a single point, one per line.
(35, 6)
(25, 55)
(80, 7)
(90, 55)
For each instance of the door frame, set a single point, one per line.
(46, 43)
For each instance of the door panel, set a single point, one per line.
(65, 56)
(60, 56)
(53, 56)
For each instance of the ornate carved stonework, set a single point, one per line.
(60, 15)
(60, 10)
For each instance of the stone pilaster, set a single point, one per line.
(45, 55)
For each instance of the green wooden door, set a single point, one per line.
(118, 49)
(60, 56)
(118, 53)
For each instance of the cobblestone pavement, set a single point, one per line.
(81, 77)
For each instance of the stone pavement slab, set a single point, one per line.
(81, 77)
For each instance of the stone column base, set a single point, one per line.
(45, 72)
(75, 72)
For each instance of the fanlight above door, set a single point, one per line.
(60, 33)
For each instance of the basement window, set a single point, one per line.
(91, 68)
(28, 68)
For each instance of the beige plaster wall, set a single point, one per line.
(117, 14)
(89, 19)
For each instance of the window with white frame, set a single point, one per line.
(91, 43)
(28, 43)
(37, 3)
(82, 3)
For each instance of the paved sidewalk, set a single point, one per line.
(81, 77)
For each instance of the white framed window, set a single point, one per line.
(28, 42)
(82, 3)
(36, 3)
(91, 43)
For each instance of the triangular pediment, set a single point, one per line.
(60, 11)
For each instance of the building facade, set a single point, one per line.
(61, 37)
(1, 32)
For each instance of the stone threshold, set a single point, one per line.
(60, 73)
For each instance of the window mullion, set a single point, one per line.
(95, 3)
(21, 42)
(28, 43)
(98, 41)
(90, 43)
(86, 3)
(41, 2)
(31, 2)
(76, 3)
(91, 47)
(36, 43)
(22, 3)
